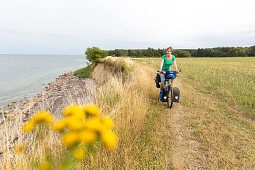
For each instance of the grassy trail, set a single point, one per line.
(204, 131)
(178, 146)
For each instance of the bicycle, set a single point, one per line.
(169, 93)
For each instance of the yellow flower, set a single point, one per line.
(91, 110)
(19, 148)
(61, 167)
(74, 110)
(110, 139)
(45, 166)
(74, 123)
(70, 138)
(79, 153)
(28, 126)
(60, 125)
(107, 122)
(40, 117)
(87, 136)
(93, 124)
(43, 117)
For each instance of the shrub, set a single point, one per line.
(94, 54)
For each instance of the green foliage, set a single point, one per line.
(150, 52)
(252, 51)
(200, 52)
(183, 53)
(85, 72)
(94, 54)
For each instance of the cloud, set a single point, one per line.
(72, 26)
(13, 31)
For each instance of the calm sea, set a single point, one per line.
(24, 75)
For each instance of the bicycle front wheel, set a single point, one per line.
(170, 98)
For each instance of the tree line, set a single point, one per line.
(200, 52)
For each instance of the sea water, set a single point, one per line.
(26, 75)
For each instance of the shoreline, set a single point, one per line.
(66, 89)
(11, 105)
(27, 75)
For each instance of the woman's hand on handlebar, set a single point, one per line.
(178, 71)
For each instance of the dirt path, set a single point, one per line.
(185, 149)
(175, 140)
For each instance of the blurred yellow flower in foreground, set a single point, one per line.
(40, 117)
(43, 117)
(91, 110)
(80, 128)
(45, 166)
(87, 136)
(74, 110)
(93, 124)
(79, 153)
(110, 139)
(107, 122)
(70, 138)
(60, 125)
(28, 126)
(73, 123)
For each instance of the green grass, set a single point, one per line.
(85, 72)
(232, 80)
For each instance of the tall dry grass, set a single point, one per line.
(127, 100)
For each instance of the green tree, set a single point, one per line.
(183, 54)
(94, 54)
(252, 51)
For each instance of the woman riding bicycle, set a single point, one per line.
(165, 65)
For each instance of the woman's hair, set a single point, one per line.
(170, 48)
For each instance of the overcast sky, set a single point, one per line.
(70, 26)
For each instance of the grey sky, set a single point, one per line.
(69, 27)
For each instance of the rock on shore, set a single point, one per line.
(65, 90)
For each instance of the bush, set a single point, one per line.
(94, 54)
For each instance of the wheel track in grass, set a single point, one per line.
(185, 153)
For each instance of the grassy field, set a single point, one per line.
(218, 111)
(231, 79)
(211, 128)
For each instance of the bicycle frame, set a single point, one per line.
(168, 83)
